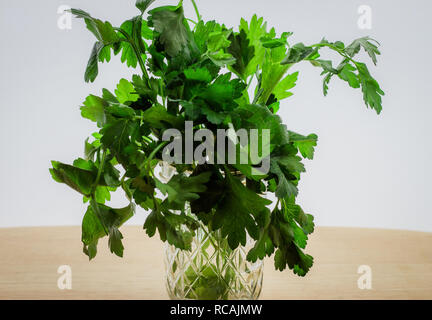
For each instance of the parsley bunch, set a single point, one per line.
(202, 72)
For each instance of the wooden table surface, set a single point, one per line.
(401, 264)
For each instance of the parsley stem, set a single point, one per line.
(211, 238)
(249, 82)
(100, 169)
(151, 156)
(190, 20)
(334, 48)
(136, 51)
(122, 183)
(196, 10)
(93, 192)
(140, 61)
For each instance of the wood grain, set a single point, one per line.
(401, 263)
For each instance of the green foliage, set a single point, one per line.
(143, 4)
(202, 72)
(100, 221)
(255, 31)
(355, 73)
(181, 189)
(80, 180)
(242, 52)
(305, 145)
(240, 210)
(173, 31)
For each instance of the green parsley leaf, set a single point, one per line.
(242, 51)
(92, 69)
(255, 30)
(371, 90)
(368, 44)
(297, 53)
(237, 212)
(94, 109)
(273, 72)
(285, 187)
(143, 4)
(80, 180)
(202, 32)
(305, 144)
(281, 90)
(125, 92)
(199, 74)
(100, 221)
(169, 226)
(173, 30)
(103, 31)
(347, 74)
(158, 117)
(182, 189)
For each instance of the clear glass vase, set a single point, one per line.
(211, 270)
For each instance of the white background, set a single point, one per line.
(369, 170)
